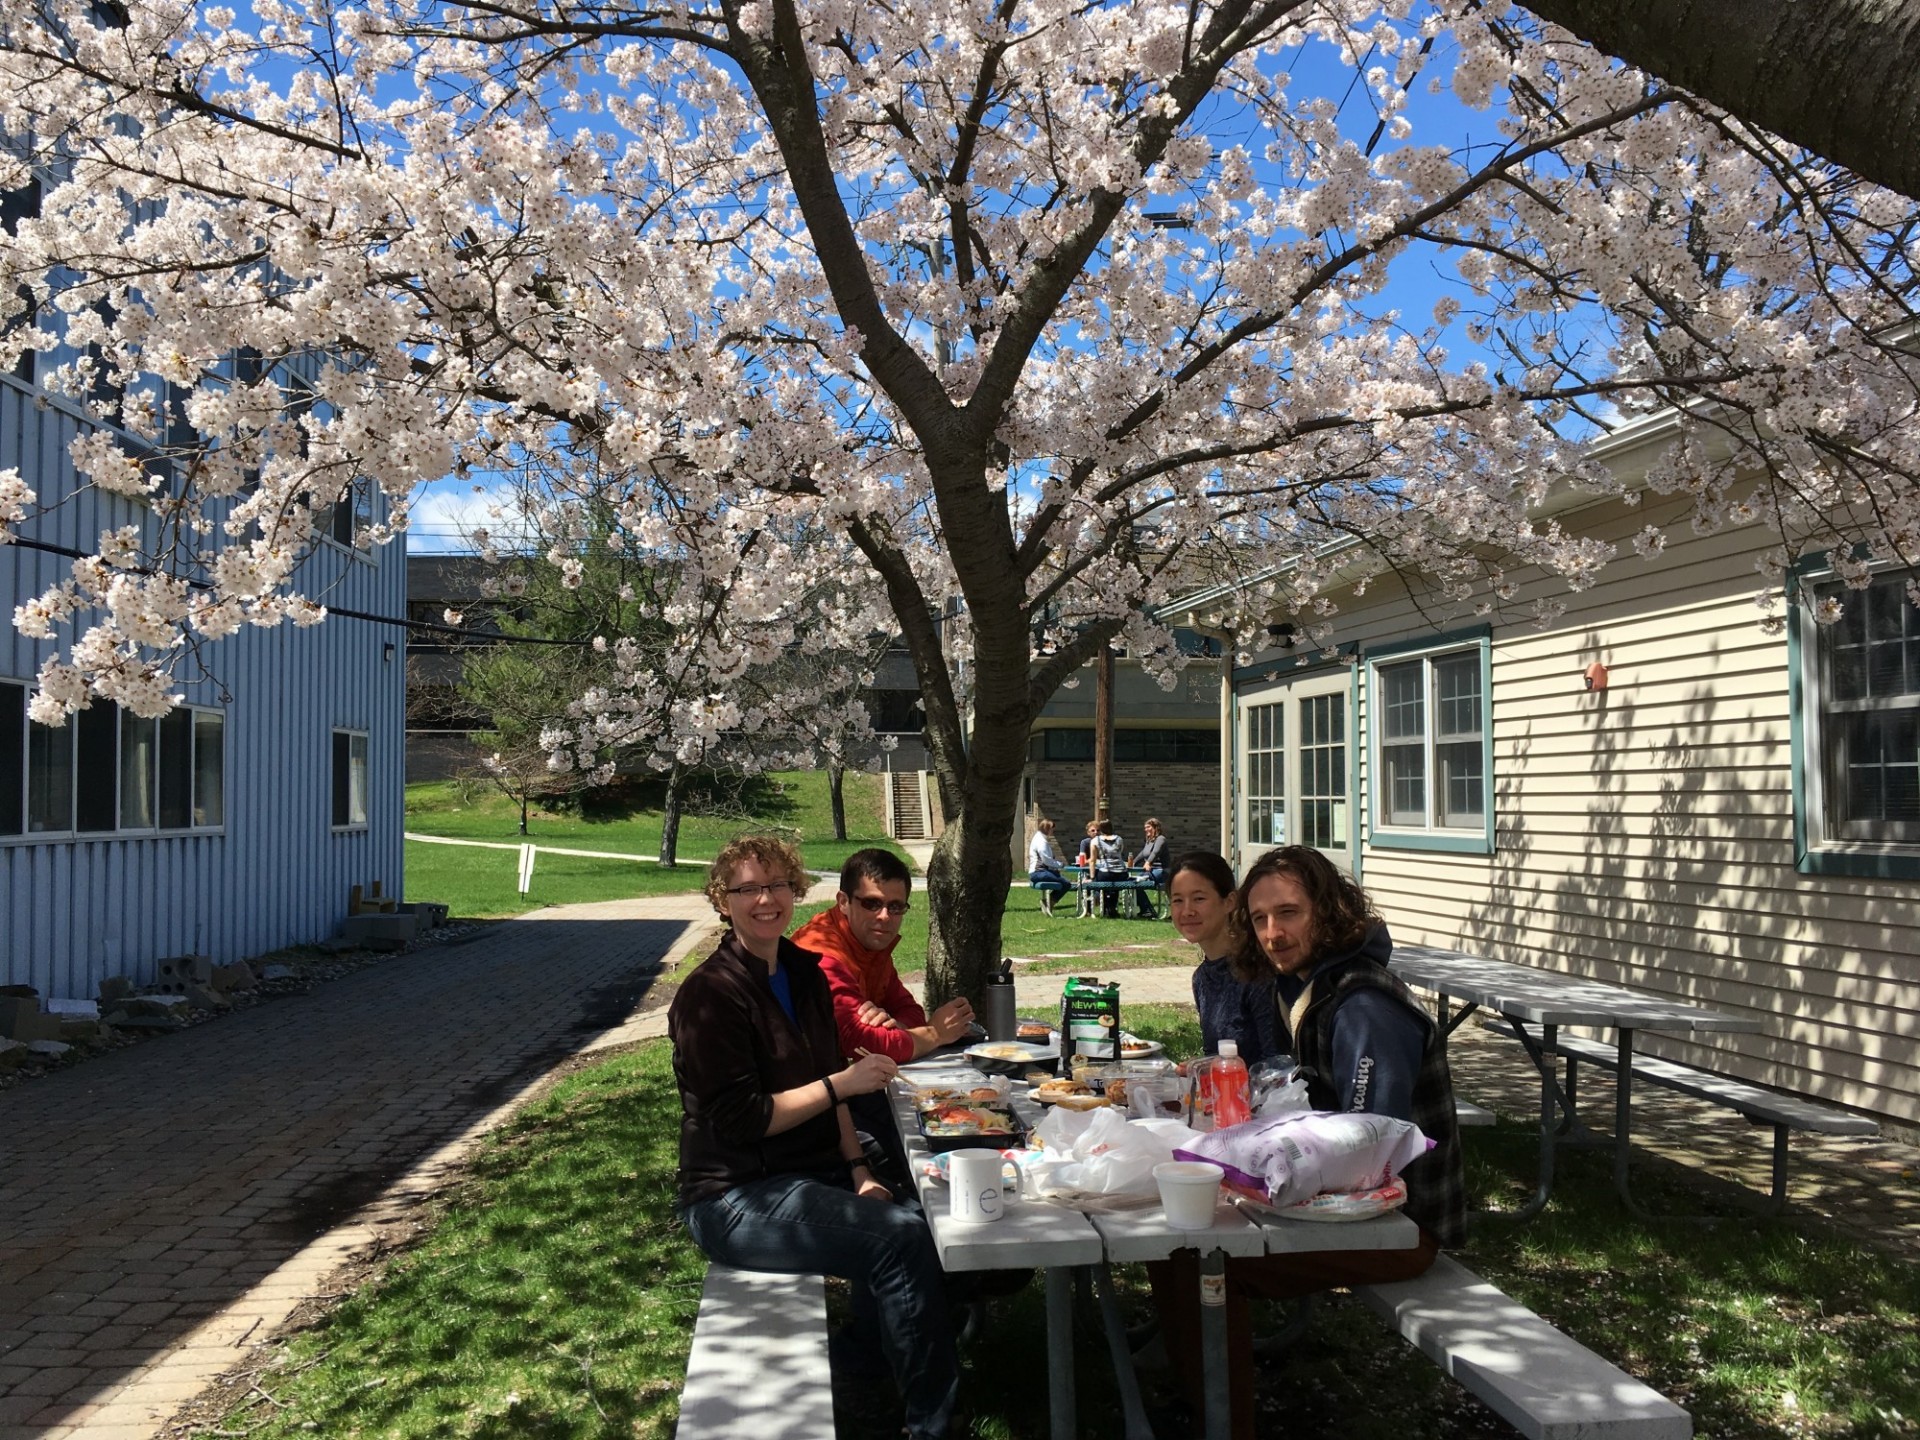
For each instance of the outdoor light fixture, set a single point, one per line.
(1283, 634)
(386, 652)
(1596, 676)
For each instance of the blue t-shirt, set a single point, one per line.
(783, 990)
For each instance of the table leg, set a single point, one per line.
(1132, 1411)
(1542, 1056)
(1213, 1344)
(1623, 1116)
(1060, 1351)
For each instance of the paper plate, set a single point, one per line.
(1132, 1047)
(1013, 1052)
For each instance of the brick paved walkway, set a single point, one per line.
(162, 1203)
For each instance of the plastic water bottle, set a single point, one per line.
(1224, 1090)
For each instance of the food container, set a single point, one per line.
(1115, 1080)
(985, 1090)
(964, 1127)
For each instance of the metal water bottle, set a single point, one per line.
(998, 1013)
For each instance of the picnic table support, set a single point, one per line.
(1134, 1414)
(1213, 1343)
(1060, 1407)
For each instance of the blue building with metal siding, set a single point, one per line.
(230, 827)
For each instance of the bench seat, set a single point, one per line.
(1466, 1113)
(1543, 1383)
(1760, 1105)
(758, 1367)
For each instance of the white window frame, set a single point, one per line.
(350, 825)
(1427, 833)
(200, 715)
(1821, 846)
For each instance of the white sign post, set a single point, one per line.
(526, 868)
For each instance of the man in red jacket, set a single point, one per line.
(872, 1010)
(855, 941)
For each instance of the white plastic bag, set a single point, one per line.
(1100, 1160)
(1290, 1158)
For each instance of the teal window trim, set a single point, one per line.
(1448, 841)
(1281, 669)
(1857, 861)
(1354, 745)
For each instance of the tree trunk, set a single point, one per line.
(1835, 77)
(967, 885)
(523, 812)
(670, 817)
(837, 793)
(1103, 734)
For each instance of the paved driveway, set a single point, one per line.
(160, 1203)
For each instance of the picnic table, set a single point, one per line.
(1526, 997)
(1074, 1249)
(1134, 889)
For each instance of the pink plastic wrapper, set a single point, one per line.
(1291, 1158)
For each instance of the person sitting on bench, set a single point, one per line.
(1109, 859)
(1361, 1042)
(1043, 866)
(1152, 858)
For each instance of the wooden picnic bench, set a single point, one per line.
(758, 1368)
(1785, 1113)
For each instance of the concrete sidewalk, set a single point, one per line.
(169, 1203)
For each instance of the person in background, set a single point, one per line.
(1152, 858)
(771, 1173)
(1043, 866)
(1084, 857)
(872, 1010)
(1108, 854)
(1361, 1042)
(1202, 898)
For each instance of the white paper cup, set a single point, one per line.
(1189, 1192)
(974, 1195)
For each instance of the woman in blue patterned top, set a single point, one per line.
(1201, 894)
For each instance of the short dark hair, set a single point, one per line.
(1342, 913)
(883, 867)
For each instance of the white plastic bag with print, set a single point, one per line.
(1290, 1158)
(1099, 1160)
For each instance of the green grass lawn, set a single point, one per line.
(793, 803)
(555, 1296)
(482, 884)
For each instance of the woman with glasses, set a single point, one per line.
(771, 1172)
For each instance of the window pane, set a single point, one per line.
(97, 738)
(342, 783)
(1456, 690)
(209, 775)
(358, 810)
(13, 744)
(176, 769)
(1879, 763)
(1461, 791)
(1404, 789)
(49, 777)
(139, 750)
(1402, 703)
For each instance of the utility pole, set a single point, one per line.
(1103, 733)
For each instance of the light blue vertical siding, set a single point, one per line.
(78, 910)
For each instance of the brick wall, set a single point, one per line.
(1185, 799)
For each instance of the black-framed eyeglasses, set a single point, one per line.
(873, 905)
(775, 888)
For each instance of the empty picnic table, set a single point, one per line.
(1072, 1247)
(1525, 996)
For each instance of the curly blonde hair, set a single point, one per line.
(774, 855)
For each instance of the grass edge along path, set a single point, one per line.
(555, 1293)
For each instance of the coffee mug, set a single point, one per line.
(974, 1195)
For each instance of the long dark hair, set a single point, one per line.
(1208, 866)
(1342, 913)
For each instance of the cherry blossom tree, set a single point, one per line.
(1039, 313)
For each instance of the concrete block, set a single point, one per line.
(181, 970)
(237, 976)
(115, 987)
(379, 932)
(74, 1009)
(21, 1018)
(427, 913)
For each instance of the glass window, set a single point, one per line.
(1323, 772)
(176, 770)
(1865, 716)
(96, 767)
(349, 778)
(49, 778)
(139, 770)
(209, 770)
(13, 772)
(1431, 748)
(1266, 775)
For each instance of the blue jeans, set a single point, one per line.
(1157, 877)
(808, 1224)
(1049, 880)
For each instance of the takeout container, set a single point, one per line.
(981, 1090)
(1013, 1136)
(1115, 1079)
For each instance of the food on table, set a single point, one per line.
(1006, 1050)
(1072, 1094)
(984, 1094)
(1131, 1046)
(968, 1120)
(1037, 1032)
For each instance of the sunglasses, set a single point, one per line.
(873, 905)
